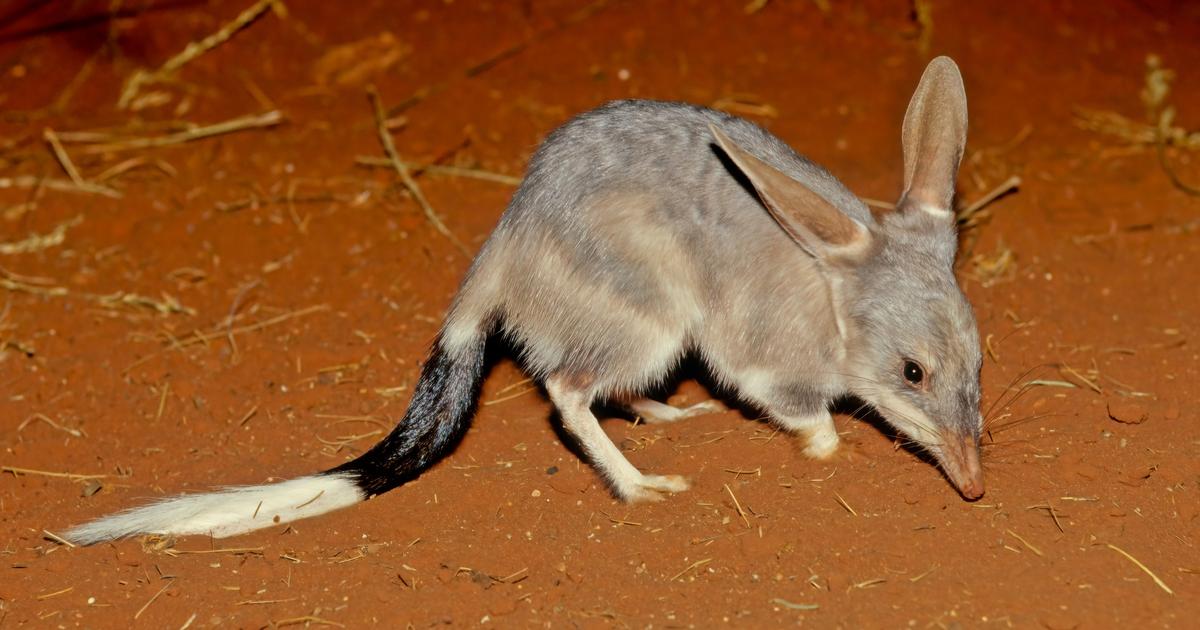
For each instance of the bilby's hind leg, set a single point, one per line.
(573, 400)
(654, 412)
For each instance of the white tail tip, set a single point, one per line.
(226, 512)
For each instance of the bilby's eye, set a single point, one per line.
(913, 372)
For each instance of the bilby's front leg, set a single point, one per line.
(817, 427)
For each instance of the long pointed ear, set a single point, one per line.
(817, 225)
(935, 132)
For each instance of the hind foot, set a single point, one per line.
(654, 412)
(650, 488)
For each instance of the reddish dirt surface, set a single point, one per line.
(315, 312)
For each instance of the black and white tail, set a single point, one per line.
(437, 417)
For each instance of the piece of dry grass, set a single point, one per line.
(842, 502)
(236, 551)
(153, 598)
(61, 155)
(745, 105)
(922, 15)
(141, 161)
(389, 147)
(99, 142)
(41, 417)
(754, 6)
(1052, 513)
(794, 606)
(356, 62)
(166, 72)
(39, 242)
(1153, 576)
(988, 270)
(695, 565)
(306, 620)
(974, 213)
(1072, 373)
(16, 472)
(737, 505)
(440, 169)
(45, 596)
(1026, 543)
(63, 185)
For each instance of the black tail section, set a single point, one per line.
(439, 414)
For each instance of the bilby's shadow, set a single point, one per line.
(498, 349)
(691, 368)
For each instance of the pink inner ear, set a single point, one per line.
(803, 214)
(934, 134)
(935, 156)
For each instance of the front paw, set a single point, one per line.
(822, 445)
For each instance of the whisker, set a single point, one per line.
(1019, 421)
(936, 441)
(1009, 389)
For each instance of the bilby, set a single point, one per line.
(647, 231)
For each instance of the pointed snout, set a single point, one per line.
(961, 463)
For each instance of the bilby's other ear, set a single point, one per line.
(817, 225)
(935, 132)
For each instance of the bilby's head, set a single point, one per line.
(914, 352)
(910, 339)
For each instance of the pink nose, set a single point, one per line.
(960, 458)
(971, 484)
(972, 489)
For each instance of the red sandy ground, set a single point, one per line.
(345, 286)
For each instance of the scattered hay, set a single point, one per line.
(998, 267)
(354, 63)
(39, 242)
(922, 15)
(389, 147)
(1157, 580)
(1159, 131)
(793, 606)
(107, 142)
(738, 506)
(64, 185)
(60, 154)
(166, 73)
(1026, 543)
(17, 472)
(745, 105)
(224, 331)
(153, 598)
(842, 502)
(695, 565)
(754, 6)
(976, 212)
(439, 169)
